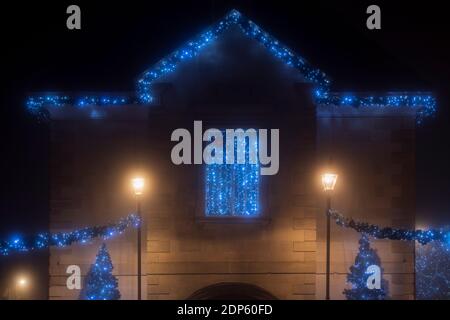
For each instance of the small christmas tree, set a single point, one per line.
(359, 275)
(100, 284)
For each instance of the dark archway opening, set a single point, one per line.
(232, 291)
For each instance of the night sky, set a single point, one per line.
(120, 39)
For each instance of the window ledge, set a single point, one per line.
(233, 220)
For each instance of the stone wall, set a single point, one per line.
(233, 83)
(92, 161)
(91, 164)
(187, 251)
(375, 158)
(281, 252)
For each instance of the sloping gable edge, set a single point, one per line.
(193, 47)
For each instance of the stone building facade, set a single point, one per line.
(280, 253)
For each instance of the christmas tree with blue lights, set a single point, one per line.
(100, 284)
(358, 275)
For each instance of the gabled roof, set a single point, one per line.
(193, 47)
(423, 103)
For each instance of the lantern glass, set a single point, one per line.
(138, 185)
(329, 181)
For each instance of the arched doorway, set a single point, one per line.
(232, 291)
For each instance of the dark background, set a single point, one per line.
(119, 40)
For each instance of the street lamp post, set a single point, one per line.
(138, 187)
(328, 182)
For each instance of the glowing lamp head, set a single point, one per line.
(138, 185)
(329, 181)
(22, 282)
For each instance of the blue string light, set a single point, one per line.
(425, 104)
(36, 103)
(100, 283)
(421, 236)
(357, 277)
(233, 189)
(431, 263)
(64, 239)
(432, 271)
(249, 28)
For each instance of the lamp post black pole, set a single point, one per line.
(327, 296)
(139, 249)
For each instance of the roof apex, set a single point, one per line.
(194, 46)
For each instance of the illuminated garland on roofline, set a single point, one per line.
(421, 236)
(424, 103)
(36, 103)
(64, 239)
(249, 28)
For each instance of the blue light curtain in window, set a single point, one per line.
(233, 189)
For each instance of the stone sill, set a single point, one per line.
(233, 220)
